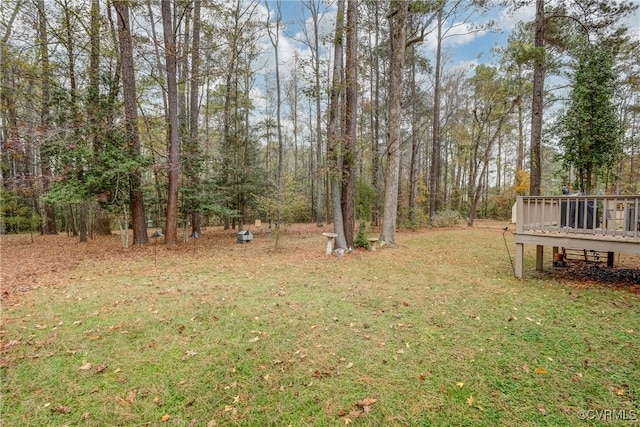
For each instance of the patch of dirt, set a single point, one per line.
(588, 273)
(28, 263)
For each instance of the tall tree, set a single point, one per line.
(591, 131)
(452, 19)
(274, 36)
(313, 41)
(95, 115)
(351, 113)
(375, 112)
(491, 108)
(45, 117)
(136, 198)
(598, 18)
(194, 110)
(171, 232)
(398, 25)
(334, 136)
(536, 102)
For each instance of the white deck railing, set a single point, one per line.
(614, 216)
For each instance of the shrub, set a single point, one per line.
(362, 240)
(446, 218)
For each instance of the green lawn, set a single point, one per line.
(433, 332)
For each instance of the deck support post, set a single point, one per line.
(539, 257)
(610, 256)
(519, 260)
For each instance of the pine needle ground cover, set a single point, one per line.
(433, 332)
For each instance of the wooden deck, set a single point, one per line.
(606, 224)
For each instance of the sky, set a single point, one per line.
(461, 49)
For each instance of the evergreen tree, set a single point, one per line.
(591, 132)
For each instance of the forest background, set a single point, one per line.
(186, 113)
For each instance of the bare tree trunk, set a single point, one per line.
(73, 106)
(536, 104)
(415, 145)
(136, 198)
(398, 24)
(351, 112)
(274, 36)
(94, 111)
(171, 234)
(319, 174)
(45, 120)
(334, 137)
(434, 176)
(193, 118)
(375, 140)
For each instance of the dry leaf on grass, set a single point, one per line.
(359, 409)
(61, 410)
(619, 390)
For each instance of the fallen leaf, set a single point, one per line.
(366, 402)
(540, 407)
(100, 369)
(85, 366)
(577, 378)
(421, 377)
(460, 385)
(619, 390)
(131, 396)
(355, 413)
(541, 371)
(470, 401)
(61, 410)
(165, 418)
